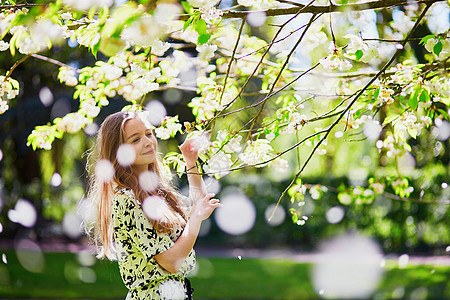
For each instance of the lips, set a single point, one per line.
(149, 152)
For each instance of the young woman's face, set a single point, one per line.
(141, 137)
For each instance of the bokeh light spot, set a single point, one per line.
(442, 131)
(86, 259)
(420, 293)
(205, 228)
(348, 268)
(237, 216)
(156, 112)
(71, 225)
(87, 275)
(154, 207)
(338, 134)
(172, 96)
(4, 259)
(256, 18)
(212, 185)
(372, 130)
(46, 96)
(126, 155)
(335, 214)
(56, 179)
(203, 268)
(60, 108)
(403, 261)
(171, 289)
(23, 213)
(91, 129)
(30, 255)
(104, 170)
(148, 181)
(279, 215)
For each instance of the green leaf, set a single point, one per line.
(412, 132)
(437, 48)
(413, 98)
(103, 14)
(92, 12)
(425, 96)
(390, 119)
(201, 27)
(424, 40)
(377, 92)
(359, 54)
(187, 23)
(187, 7)
(204, 38)
(413, 101)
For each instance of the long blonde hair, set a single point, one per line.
(110, 137)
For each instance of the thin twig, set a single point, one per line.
(53, 61)
(313, 18)
(396, 54)
(16, 64)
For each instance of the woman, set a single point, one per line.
(140, 218)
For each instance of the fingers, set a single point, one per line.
(215, 203)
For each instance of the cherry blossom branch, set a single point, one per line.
(269, 95)
(19, 6)
(53, 61)
(16, 64)
(229, 66)
(313, 18)
(313, 9)
(393, 58)
(262, 58)
(272, 42)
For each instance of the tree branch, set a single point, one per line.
(393, 58)
(53, 61)
(313, 9)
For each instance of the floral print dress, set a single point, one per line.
(137, 242)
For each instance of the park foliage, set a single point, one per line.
(298, 89)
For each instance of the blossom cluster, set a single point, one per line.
(211, 15)
(359, 50)
(220, 151)
(335, 59)
(169, 128)
(38, 36)
(68, 76)
(9, 89)
(257, 153)
(439, 46)
(212, 99)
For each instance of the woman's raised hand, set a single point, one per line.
(204, 207)
(189, 149)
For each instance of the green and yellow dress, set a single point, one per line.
(137, 242)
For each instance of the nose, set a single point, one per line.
(148, 141)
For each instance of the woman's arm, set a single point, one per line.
(173, 258)
(197, 187)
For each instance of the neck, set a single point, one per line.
(137, 170)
